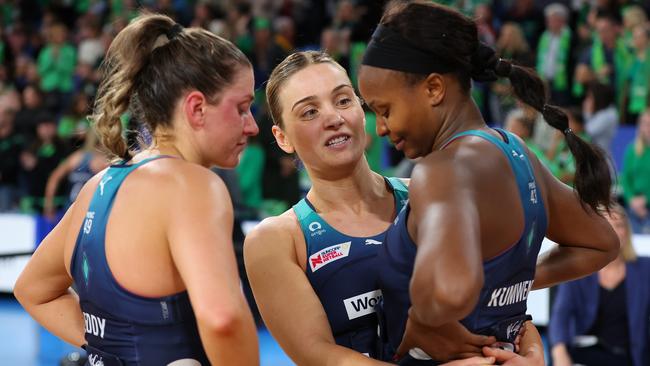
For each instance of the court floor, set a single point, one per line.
(25, 343)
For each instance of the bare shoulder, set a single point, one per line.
(274, 230)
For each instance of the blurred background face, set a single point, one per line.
(555, 23)
(31, 98)
(46, 131)
(607, 31)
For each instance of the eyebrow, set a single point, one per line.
(314, 97)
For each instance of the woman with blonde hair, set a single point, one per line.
(603, 319)
(635, 177)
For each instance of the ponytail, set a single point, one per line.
(593, 180)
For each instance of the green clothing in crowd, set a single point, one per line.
(57, 68)
(249, 171)
(638, 78)
(635, 177)
(375, 149)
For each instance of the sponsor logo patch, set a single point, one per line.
(329, 255)
(364, 304)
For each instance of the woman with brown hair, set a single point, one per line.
(147, 243)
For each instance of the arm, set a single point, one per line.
(290, 308)
(586, 240)
(43, 288)
(200, 242)
(53, 182)
(444, 221)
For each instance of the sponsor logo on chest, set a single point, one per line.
(328, 255)
(363, 304)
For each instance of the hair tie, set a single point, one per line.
(503, 68)
(567, 131)
(174, 31)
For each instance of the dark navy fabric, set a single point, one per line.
(501, 309)
(343, 272)
(121, 326)
(80, 175)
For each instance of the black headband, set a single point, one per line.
(389, 50)
(174, 31)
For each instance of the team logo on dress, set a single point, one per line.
(101, 184)
(185, 362)
(316, 228)
(329, 255)
(372, 242)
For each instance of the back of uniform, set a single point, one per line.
(343, 272)
(508, 278)
(123, 328)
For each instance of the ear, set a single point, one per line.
(282, 139)
(194, 105)
(436, 89)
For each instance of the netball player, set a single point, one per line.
(147, 243)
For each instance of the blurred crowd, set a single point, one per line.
(594, 55)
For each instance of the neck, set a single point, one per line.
(177, 148)
(351, 191)
(463, 116)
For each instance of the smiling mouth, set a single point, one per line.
(337, 140)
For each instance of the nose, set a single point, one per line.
(250, 126)
(381, 128)
(334, 120)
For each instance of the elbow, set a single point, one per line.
(612, 246)
(222, 323)
(446, 300)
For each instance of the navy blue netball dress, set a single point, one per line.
(123, 328)
(343, 272)
(508, 277)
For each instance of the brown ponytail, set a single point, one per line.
(148, 66)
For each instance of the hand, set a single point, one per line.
(474, 361)
(639, 207)
(604, 72)
(443, 343)
(48, 211)
(533, 357)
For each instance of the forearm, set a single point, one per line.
(61, 317)
(564, 263)
(331, 354)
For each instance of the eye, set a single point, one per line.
(309, 113)
(344, 101)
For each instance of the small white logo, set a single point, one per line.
(513, 329)
(533, 192)
(101, 184)
(95, 360)
(372, 242)
(88, 223)
(329, 255)
(316, 228)
(363, 304)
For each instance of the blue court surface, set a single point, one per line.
(24, 343)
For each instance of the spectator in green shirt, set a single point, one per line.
(635, 177)
(56, 65)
